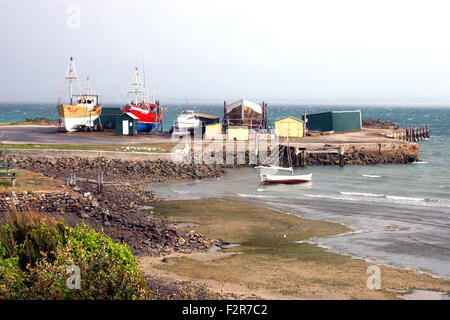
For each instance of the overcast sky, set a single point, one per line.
(208, 50)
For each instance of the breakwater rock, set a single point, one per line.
(120, 219)
(116, 169)
(357, 158)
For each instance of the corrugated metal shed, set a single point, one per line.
(337, 121)
(289, 126)
(108, 117)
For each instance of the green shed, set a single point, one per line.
(337, 121)
(109, 116)
(127, 124)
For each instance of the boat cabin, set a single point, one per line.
(85, 100)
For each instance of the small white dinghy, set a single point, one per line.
(267, 176)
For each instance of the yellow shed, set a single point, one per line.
(213, 129)
(239, 133)
(289, 126)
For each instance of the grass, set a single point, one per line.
(270, 261)
(29, 181)
(149, 147)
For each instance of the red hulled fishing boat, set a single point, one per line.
(148, 111)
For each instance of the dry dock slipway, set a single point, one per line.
(371, 145)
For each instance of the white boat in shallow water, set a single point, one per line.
(268, 175)
(271, 174)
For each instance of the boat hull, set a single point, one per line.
(148, 120)
(280, 179)
(73, 117)
(147, 126)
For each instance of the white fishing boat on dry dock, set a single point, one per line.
(83, 108)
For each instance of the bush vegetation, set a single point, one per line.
(36, 252)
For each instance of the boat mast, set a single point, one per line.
(87, 87)
(137, 87)
(71, 74)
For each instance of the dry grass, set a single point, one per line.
(269, 261)
(147, 147)
(29, 181)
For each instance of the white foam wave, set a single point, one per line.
(420, 162)
(252, 196)
(324, 196)
(371, 176)
(405, 198)
(363, 196)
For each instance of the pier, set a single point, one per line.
(412, 134)
(371, 145)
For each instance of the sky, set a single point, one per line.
(210, 50)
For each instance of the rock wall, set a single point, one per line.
(369, 154)
(115, 169)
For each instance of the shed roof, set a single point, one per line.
(132, 116)
(206, 116)
(335, 111)
(290, 117)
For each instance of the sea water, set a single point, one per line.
(400, 214)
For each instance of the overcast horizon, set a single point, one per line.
(330, 52)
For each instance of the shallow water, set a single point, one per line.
(407, 228)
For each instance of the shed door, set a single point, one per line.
(125, 129)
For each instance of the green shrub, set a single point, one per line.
(36, 252)
(29, 235)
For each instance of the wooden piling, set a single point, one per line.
(341, 156)
(304, 159)
(100, 182)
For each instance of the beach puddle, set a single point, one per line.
(425, 295)
(396, 228)
(146, 207)
(222, 246)
(184, 224)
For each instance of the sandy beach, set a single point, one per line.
(271, 258)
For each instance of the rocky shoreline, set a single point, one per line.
(119, 210)
(361, 158)
(116, 170)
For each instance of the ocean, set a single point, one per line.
(400, 214)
